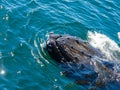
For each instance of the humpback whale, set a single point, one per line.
(80, 61)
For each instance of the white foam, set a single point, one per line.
(119, 35)
(105, 44)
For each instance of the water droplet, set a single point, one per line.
(55, 86)
(19, 72)
(5, 39)
(21, 44)
(27, 14)
(61, 73)
(12, 54)
(55, 80)
(7, 17)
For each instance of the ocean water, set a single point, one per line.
(25, 26)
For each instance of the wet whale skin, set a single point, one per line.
(76, 57)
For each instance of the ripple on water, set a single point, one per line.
(25, 26)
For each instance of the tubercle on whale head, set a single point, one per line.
(66, 48)
(81, 55)
(55, 50)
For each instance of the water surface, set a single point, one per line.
(24, 28)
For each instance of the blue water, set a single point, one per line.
(25, 25)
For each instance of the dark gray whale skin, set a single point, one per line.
(75, 56)
(68, 48)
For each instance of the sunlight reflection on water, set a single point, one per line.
(2, 72)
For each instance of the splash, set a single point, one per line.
(106, 45)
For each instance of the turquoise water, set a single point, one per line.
(25, 25)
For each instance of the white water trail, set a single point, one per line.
(107, 46)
